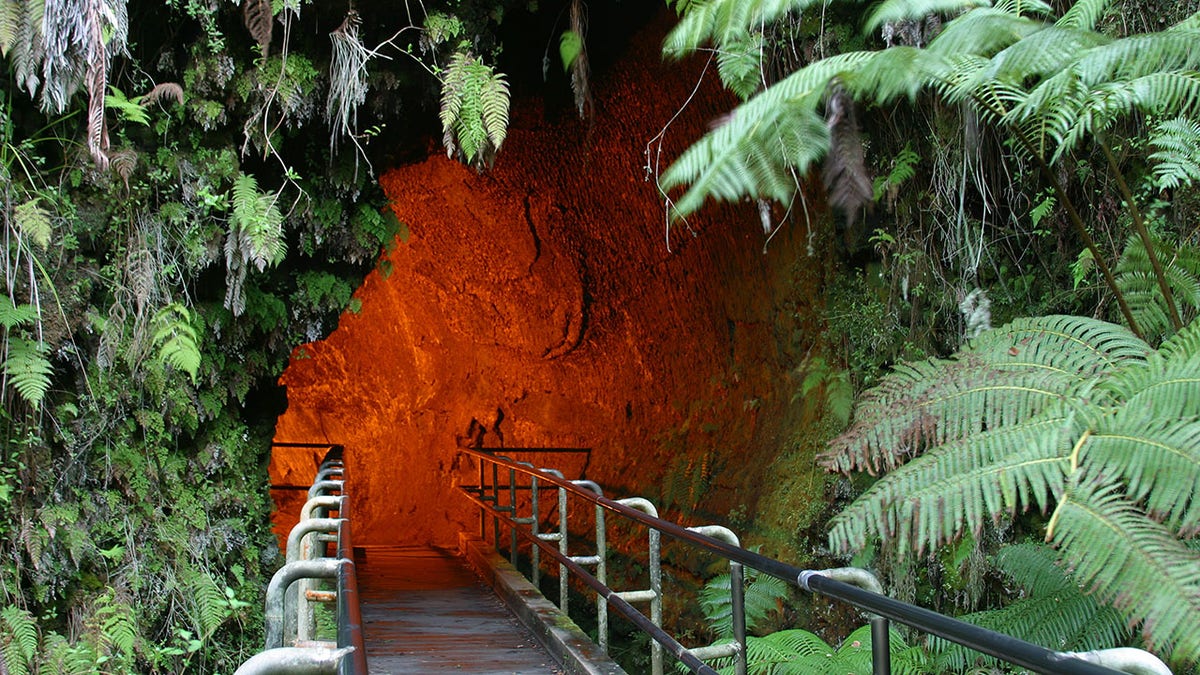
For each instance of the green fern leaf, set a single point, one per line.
(1084, 14)
(1136, 280)
(1132, 563)
(890, 11)
(34, 221)
(960, 486)
(1177, 152)
(66, 658)
(739, 63)
(117, 627)
(494, 100)
(18, 640)
(570, 46)
(1155, 455)
(1054, 612)
(762, 597)
(28, 369)
(761, 148)
(1006, 376)
(131, 111)
(176, 339)
(13, 315)
(723, 21)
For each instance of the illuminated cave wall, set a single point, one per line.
(544, 289)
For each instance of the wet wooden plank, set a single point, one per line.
(425, 612)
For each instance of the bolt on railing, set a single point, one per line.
(291, 646)
(857, 587)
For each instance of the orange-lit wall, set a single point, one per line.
(544, 288)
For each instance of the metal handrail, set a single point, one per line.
(288, 614)
(838, 584)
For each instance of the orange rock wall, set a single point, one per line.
(544, 289)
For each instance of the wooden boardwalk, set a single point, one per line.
(423, 611)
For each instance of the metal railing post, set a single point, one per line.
(654, 594)
(599, 561)
(737, 600)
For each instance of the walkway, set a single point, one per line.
(423, 611)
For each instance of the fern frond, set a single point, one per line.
(957, 487)
(18, 640)
(1154, 451)
(1131, 562)
(1177, 152)
(1084, 14)
(762, 597)
(739, 64)
(474, 110)
(1136, 280)
(1042, 53)
(34, 221)
(68, 659)
(1055, 613)
(1183, 345)
(756, 148)
(890, 11)
(176, 339)
(115, 625)
(982, 32)
(13, 315)
(27, 368)
(493, 109)
(723, 21)
(1005, 376)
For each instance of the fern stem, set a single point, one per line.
(1054, 517)
(1140, 226)
(1080, 229)
(1075, 451)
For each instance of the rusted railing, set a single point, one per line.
(498, 494)
(292, 644)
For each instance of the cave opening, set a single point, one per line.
(546, 301)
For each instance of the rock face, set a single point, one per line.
(541, 300)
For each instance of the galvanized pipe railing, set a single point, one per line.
(291, 647)
(855, 587)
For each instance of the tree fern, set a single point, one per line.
(176, 339)
(1111, 442)
(1135, 278)
(18, 640)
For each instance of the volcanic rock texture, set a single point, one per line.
(540, 299)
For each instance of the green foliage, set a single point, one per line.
(1055, 413)
(34, 221)
(1053, 611)
(18, 640)
(1176, 155)
(1136, 279)
(799, 652)
(474, 110)
(763, 597)
(176, 339)
(570, 46)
